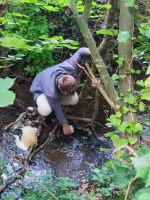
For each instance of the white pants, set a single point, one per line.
(44, 107)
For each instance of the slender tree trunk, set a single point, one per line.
(126, 23)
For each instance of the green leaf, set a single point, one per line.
(118, 142)
(118, 114)
(123, 126)
(1, 66)
(147, 31)
(12, 42)
(132, 140)
(141, 106)
(137, 71)
(6, 83)
(125, 109)
(129, 130)
(133, 110)
(114, 121)
(130, 100)
(142, 191)
(108, 6)
(147, 82)
(114, 77)
(142, 166)
(141, 83)
(145, 196)
(139, 127)
(120, 61)
(109, 134)
(129, 90)
(120, 153)
(122, 37)
(129, 3)
(148, 70)
(135, 51)
(104, 31)
(105, 150)
(131, 70)
(6, 98)
(88, 97)
(146, 94)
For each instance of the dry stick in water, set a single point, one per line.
(19, 118)
(50, 137)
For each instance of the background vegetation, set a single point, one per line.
(39, 34)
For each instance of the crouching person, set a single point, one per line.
(56, 86)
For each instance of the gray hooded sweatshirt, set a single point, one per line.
(47, 82)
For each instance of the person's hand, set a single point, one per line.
(67, 130)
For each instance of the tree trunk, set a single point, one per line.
(126, 23)
(82, 23)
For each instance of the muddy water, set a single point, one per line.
(68, 156)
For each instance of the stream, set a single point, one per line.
(71, 156)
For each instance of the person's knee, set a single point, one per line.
(44, 111)
(43, 106)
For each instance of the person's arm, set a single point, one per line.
(55, 105)
(82, 52)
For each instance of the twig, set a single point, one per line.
(120, 159)
(78, 118)
(19, 118)
(129, 187)
(27, 156)
(118, 187)
(50, 136)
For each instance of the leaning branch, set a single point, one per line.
(95, 81)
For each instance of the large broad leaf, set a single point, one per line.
(6, 97)
(145, 196)
(146, 94)
(142, 191)
(142, 166)
(6, 83)
(148, 70)
(122, 37)
(12, 42)
(147, 82)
